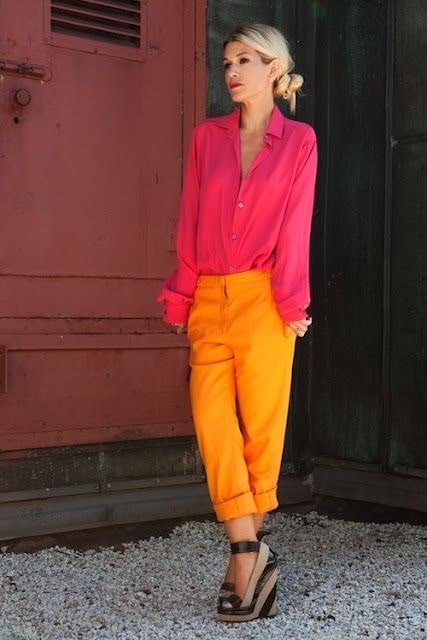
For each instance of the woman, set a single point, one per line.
(241, 290)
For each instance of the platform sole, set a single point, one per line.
(265, 605)
(270, 606)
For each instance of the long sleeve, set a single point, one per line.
(177, 292)
(290, 279)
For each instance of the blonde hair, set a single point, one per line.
(270, 44)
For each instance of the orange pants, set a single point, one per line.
(241, 355)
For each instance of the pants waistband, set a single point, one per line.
(230, 279)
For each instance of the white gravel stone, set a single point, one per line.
(339, 580)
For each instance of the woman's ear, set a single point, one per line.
(275, 69)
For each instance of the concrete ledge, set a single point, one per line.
(24, 518)
(20, 519)
(370, 486)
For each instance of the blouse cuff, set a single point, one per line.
(293, 315)
(176, 306)
(175, 313)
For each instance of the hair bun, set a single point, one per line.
(292, 83)
(285, 81)
(287, 86)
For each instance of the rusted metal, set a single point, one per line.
(3, 368)
(86, 246)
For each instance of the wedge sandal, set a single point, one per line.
(259, 600)
(227, 588)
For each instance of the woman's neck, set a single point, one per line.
(255, 116)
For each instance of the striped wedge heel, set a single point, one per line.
(259, 600)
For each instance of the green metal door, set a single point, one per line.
(358, 405)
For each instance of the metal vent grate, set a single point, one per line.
(116, 21)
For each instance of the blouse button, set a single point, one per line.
(231, 267)
(240, 205)
(234, 236)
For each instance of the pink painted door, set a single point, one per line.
(97, 99)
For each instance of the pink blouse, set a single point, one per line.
(263, 221)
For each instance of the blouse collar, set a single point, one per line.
(274, 127)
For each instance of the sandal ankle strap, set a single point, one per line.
(245, 546)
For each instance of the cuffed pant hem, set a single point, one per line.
(266, 501)
(243, 505)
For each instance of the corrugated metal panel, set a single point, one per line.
(348, 232)
(408, 283)
(410, 48)
(357, 388)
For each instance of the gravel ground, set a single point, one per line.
(339, 580)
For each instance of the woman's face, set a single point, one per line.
(246, 75)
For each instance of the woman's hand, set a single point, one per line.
(300, 326)
(179, 328)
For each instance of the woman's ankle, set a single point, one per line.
(241, 529)
(244, 565)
